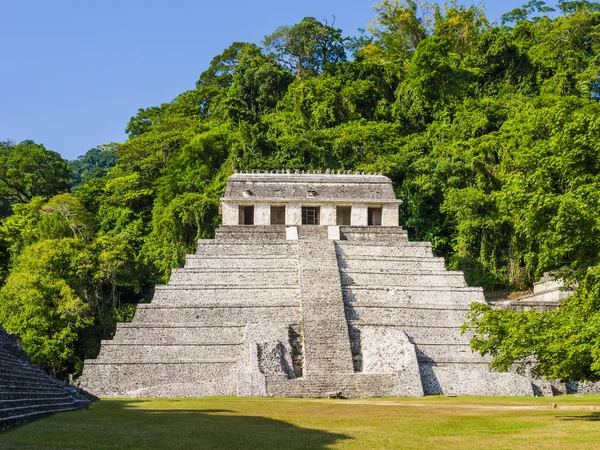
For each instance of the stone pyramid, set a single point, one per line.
(309, 289)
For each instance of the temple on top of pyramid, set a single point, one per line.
(269, 198)
(309, 289)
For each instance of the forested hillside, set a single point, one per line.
(490, 133)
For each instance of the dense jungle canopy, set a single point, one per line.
(490, 133)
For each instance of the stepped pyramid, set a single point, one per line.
(26, 391)
(309, 289)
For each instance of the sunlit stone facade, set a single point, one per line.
(309, 289)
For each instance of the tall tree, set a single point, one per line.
(28, 169)
(94, 164)
(307, 47)
(396, 31)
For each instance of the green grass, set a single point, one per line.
(246, 423)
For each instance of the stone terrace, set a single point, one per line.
(309, 289)
(26, 391)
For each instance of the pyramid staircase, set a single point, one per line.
(26, 391)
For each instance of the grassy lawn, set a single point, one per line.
(246, 423)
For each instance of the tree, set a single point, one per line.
(257, 86)
(222, 67)
(522, 13)
(569, 7)
(396, 31)
(39, 304)
(307, 47)
(65, 211)
(28, 169)
(562, 344)
(94, 164)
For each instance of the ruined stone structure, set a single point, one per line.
(311, 289)
(548, 293)
(26, 391)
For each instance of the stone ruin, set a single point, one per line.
(309, 289)
(548, 293)
(26, 391)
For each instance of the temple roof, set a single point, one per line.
(309, 187)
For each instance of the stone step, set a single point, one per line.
(313, 232)
(28, 383)
(11, 421)
(413, 295)
(10, 377)
(115, 351)
(21, 389)
(20, 378)
(33, 401)
(211, 249)
(224, 229)
(151, 365)
(11, 361)
(239, 271)
(16, 365)
(418, 335)
(178, 334)
(256, 233)
(471, 379)
(16, 375)
(414, 278)
(448, 352)
(13, 395)
(196, 379)
(405, 249)
(382, 304)
(395, 264)
(236, 264)
(225, 295)
(374, 233)
(284, 277)
(326, 345)
(483, 363)
(350, 385)
(437, 335)
(6, 357)
(406, 317)
(215, 314)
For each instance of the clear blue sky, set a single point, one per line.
(74, 72)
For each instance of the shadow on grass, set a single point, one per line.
(131, 424)
(592, 417)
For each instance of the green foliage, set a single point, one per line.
(94, 164)
(306, 48)
(562, 344)
(28, 169)
(65, 216)
(396, 31)
(38, 303)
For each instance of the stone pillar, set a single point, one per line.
(230, 213)
(293, 214)
(359, 215)
(262, 214)
(328, 215)
(389, 215)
